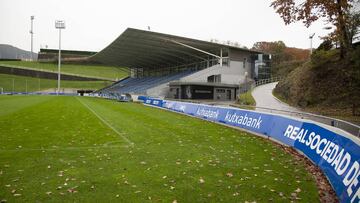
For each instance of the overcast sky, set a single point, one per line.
(93, 24)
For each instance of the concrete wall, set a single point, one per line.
(172, 92)
(233, 74)
(241, 69)
(222, 93)
(159, 91)
(239, 55)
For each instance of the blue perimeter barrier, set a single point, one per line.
(336, 155)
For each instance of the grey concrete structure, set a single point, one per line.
(200, 90)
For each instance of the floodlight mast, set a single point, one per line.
(32, 36)
(311, 38)
(59, 24)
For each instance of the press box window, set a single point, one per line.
(214, 78)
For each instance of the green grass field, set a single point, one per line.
(247, 98)
(36, 84)
(85, 70)
(71, 149)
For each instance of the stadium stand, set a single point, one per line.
(141, 85)
(169, 66)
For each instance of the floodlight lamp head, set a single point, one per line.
(60, 24)
(311, 36)
(32, 17)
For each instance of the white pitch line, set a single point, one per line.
(104, 121)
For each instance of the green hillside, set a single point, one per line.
(327, 85)
(36, 84)
(97, 71)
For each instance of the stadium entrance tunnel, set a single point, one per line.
(84, 92)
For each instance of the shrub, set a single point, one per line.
(322, 57)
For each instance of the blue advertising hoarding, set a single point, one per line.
(336, 155)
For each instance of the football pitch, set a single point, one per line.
(66, 149)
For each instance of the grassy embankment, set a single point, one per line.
(15, 83)
(97, 71)
(325, 85)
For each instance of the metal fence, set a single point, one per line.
(56, 71)
(14, 85)
(341, 124)
(266, 81)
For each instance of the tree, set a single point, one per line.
(280, 53)
(354, 24)
(325, 45)
(270, 47)
(276, 49)
(336, 12)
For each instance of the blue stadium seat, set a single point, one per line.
(140, 85)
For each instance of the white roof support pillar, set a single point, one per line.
(199, 50)
(221, 58)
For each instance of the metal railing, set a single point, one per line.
(349, 127)
(266, 81)
(338, 123)
(341, 124)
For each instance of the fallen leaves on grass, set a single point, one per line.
(72, 190)
(61, 173)
(229, 175)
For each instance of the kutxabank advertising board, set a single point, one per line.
(336, 155)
